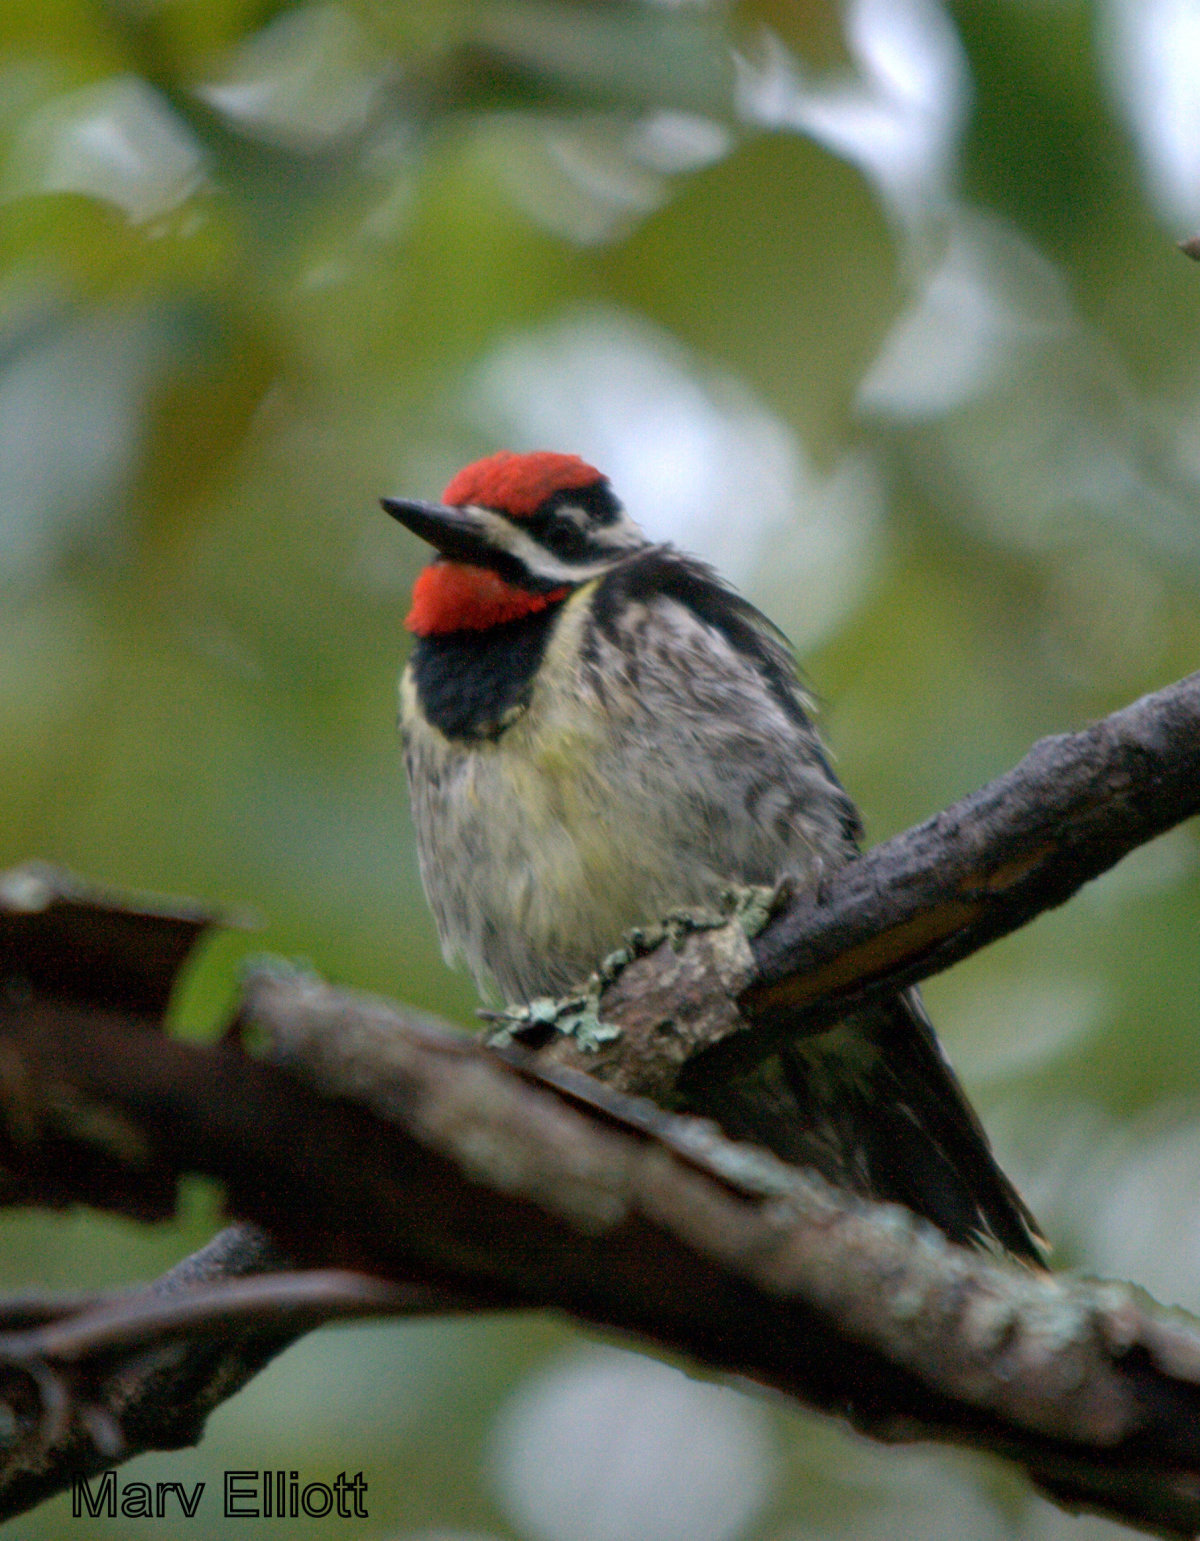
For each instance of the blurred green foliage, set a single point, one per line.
(877, 306)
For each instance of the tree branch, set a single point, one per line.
(1026, 842)
(488, 1181)
(468, 1179)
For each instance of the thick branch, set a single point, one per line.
(477, 1180)
(487, 1180)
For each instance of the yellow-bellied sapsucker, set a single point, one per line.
(599, 731)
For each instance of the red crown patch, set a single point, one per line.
(518, 485)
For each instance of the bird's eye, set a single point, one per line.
(569, 522)
(564, 537)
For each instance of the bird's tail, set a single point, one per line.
(874, 1106)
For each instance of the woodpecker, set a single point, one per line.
(598, 731)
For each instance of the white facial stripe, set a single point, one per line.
(508, 536)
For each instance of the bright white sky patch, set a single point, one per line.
(987, 296)
(1151, 50)
(308, 78)
(609, 1446)
(900, 118)
(117, 140)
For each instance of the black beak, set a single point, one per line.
(454, 532)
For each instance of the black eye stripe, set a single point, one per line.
(565, 539)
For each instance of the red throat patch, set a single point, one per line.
(518, 485)
(450, 596)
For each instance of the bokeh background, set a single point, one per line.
(878, 306)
